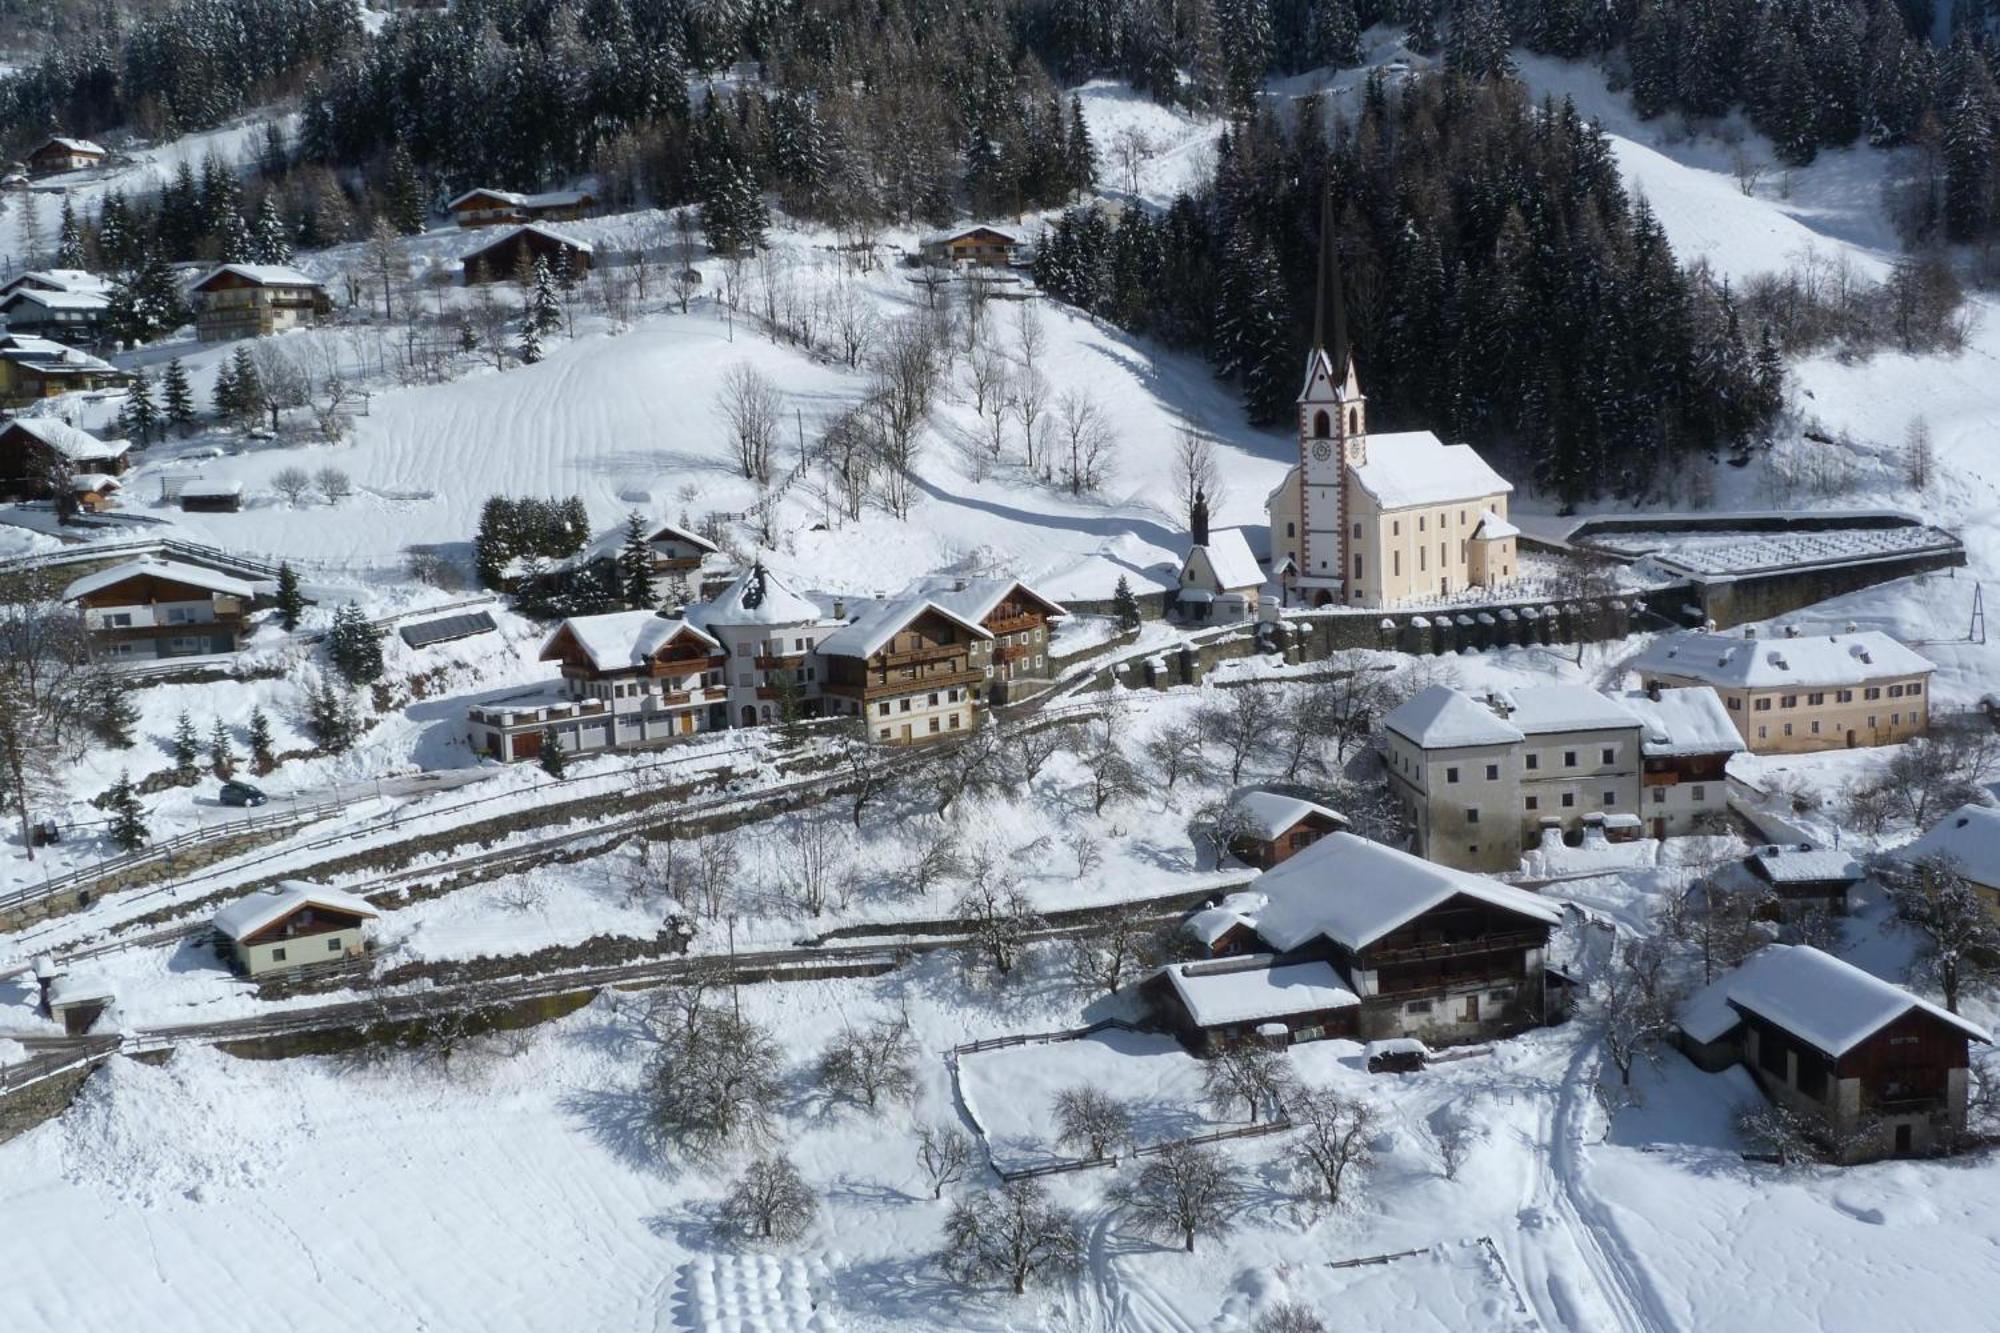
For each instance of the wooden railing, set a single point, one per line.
(1418, 953)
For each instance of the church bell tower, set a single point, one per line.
(1333, 437)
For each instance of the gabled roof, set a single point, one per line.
(1235, 568)
(606, 545)
(1803, 863)
(546, 199)
(58, 279)
(1267, 814)
(171, 570)
(1540, 709)
(756, 597)
(1686, 721)
(1416, 468)
(1238, 909)
(865, 635)
(1807, 661)
(1829, 1004)
(1353, 892)
(620, 639)
(247, 916)
(56, 300)
(1442, 718)
(73, 145)
(1968, 838)
(50, 357)
(1492, 527)
(261, 275)
(70, 441)
(943, 237)
(975, 598)
(507, 237)
(1253, 987)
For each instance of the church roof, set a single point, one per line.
(1414, 467)
(1229, 556)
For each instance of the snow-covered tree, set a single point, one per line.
(1013, 1234)
(770, 1201)
(1184, 1191)
(179, 396)
(1092, 1121)
(871, 1064)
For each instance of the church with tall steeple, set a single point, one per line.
(1382, 520)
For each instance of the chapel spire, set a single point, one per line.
(1328, 304)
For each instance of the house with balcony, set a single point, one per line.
(1880, 1071)
(150, 608)
(33, 368)
(1686, 741)
(292, 925)
(907, 665)
(630, 679)
(676, 553)
(1016, 657)
(1426, 951)
(977, 247)
(56, 280)
(38, 453)
(770, 635)
(253, 300)
(1793, 693)
(494, 208)
(74, 318)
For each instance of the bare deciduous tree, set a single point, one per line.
(1635, 1003)
(1030, 401)
(901, 390)
(292, 483)
(1174, 751)
(1242, 724)
(945, 1154)
(1113, 776)
(1182, 1192)
(1129, 150)
(770, 1201)
(1720, 925)
(49, 693)
(998, 919)
(1092, 1121)
(1288, 1317)
(1087, 442)
(1195, 472)
(713, 1077)
(1331, 1134)
(1928, 776)
(1013, 1234)
(934, 858)
(816, 863)
(871, 1064)
(751, 407)
(1256, 1076)
(1030, 747)
(709, 872)
(1115, 950)
(1957, 939)
(334, 484)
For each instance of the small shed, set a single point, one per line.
(78, 1003)
(292, 925)
(212, 497)
(1801, 875)
(1216, 1005)
(1228, 927)
(1271, 827)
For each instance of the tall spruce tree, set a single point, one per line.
(128, 818)
(635, 564)
(179, 396)
(291, 601)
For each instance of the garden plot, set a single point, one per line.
(1447, 1288)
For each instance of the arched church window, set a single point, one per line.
(1321, 426)
(1353, 421)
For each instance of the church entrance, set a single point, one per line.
(1324, 598)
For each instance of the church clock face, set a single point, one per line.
(1322, 451)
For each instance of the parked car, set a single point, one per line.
(241, 793)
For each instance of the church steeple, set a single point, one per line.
(1327, 298)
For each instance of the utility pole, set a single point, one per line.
(1977, 633)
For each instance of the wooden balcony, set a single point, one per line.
(788, 662)
(1659, 779)
(933, 653)
(897, 688)
(1014, 624)
(1421, 953)
(1013, 652)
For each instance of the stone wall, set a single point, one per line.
(1730, 602)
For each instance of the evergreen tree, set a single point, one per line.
(145, 303)
(247, 395)
(291, 601)
(262, 758)
(530, 346)
(270, 240)
(354, 647)
(544, 306)
(139, 417)
(1079, 154)
(553, 761)
(128, 817)
(185, 750)
(111, 711)
(1335, 38)
(330, 718)
(228, 401)
(69, 240)
(635, 564)
(405, 194)
(221, 755)
(492, 543)
(1125, 606)
(179, 397)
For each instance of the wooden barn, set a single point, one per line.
(1883, 1071)
(1218, 1004)
(1800, 875)
(58, 153)
(1270, 828)
(499, 260)
(981, 246)
(37, 452)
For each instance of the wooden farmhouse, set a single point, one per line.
(1269, 828)
(39, 453)
(1225, 1002)
(1882, 1071)
(56, 280)
(907, 666)
(1427, 951)
(253, 300)
(629, 679)
(1014, 614)
(982, 247)
(676, 555)
(58, 153)
(162, 608)
(33, 368)
(1227, 928)
(1967, 843)
(500, 259)
(493, 208)
(1801, 876)
(1797, 693)
(74, 318)
(292, 925)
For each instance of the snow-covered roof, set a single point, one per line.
(59, 279)
(1829, 1004)
(539, 230)
(879, 622)
(1414, 467)
(247, 916)
(94, 481)
(68, 990)
(49, 356)
(1353, 892)
(975, 598)
(1806, 661)
(72, 145)
(1969, 839)
(57, 300)
(172, 570)
(1493, 527)
(606, 545)
(70, 441)
(619, 639)
(1686, 721)
(1229, 557)
(1802, 863)
(1244, 990)
(211, 488)
(1539, 709)
(1238, 909)
(263, 275)
(941, 238)
(1441, 718)
(756, 597)
(546, 199)
(1267, 814)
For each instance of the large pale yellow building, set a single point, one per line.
(1384, 520)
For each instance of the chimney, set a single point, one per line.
(1198, 518)
(1653, 690)
(840, 608)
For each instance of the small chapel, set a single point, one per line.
(1382, 520)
